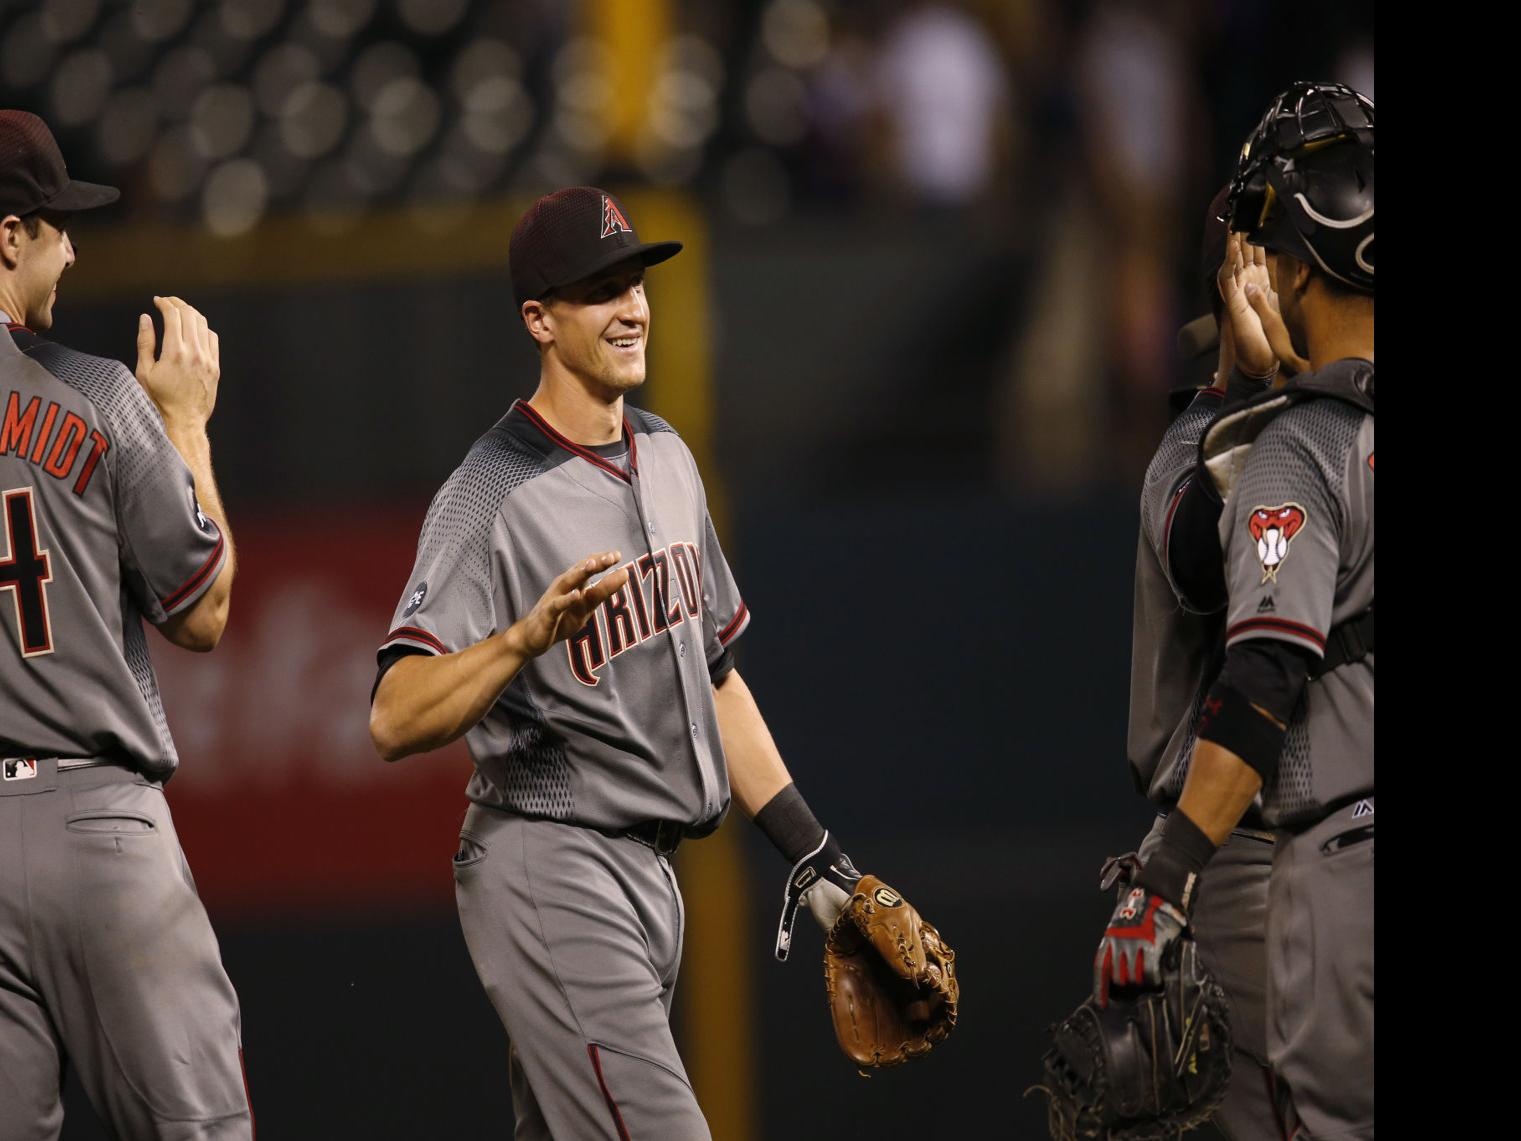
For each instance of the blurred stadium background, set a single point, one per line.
(921, 341)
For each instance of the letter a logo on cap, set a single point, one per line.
(613, 221)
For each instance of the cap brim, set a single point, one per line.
(653, 253)
(77, 196)
(650, 253)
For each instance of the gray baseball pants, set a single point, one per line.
(1320, 976)
(1229, 921)
(576, 937)
(108, 963)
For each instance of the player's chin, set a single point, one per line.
(625, 375)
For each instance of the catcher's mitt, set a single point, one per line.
(890, 978)
(1150, 1065)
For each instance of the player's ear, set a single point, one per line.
(540, 323)
(1301, 275)
(10, 241)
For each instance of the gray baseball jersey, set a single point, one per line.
(99, 529)
(1175, 653)
(615, 726)
(1297, 532)
(107, 958)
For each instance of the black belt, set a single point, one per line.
(662, 835)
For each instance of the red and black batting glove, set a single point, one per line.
(1152, 916)
(1140, 932)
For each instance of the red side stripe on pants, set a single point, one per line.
(242, 1065)
(612, 1106)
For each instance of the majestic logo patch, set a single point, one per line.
(1266, 604)
(613, 221)
(1362, 808)
(1273, 529)
(19, 769)
(416, 599)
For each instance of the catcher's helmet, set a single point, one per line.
(1304, 185)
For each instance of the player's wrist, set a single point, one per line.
(181, 422)
(515, 642)
(822, 875)
(1172, 872)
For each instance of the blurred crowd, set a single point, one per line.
(1087, 134)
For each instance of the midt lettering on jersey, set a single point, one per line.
(51, 439)
(664, 590)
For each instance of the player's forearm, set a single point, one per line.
(200, 627)
(1218, 791)
(424, 702)
(756, 770)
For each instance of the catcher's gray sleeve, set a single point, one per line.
(171, 551)
(452, 600)
(725, 615)
(1282, 537)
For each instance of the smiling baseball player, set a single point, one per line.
(108, 515)
(572, 615)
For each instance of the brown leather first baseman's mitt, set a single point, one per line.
(891, 979)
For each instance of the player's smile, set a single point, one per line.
(602, 326)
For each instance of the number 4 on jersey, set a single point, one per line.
(25, 571)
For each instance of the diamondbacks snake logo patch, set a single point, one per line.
(1273, 529)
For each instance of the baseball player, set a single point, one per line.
(1287, 723)
(108, 515)
(1178, 645)
(572, 615)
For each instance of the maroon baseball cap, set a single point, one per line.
(32, 174)
(572, 234)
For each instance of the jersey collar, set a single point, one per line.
(574, 448)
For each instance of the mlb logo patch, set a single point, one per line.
(20, 769)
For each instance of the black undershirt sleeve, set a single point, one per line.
(387, 658)
(721, 666)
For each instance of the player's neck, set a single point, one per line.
(578, 415)
(1336, 333)
(11, 306)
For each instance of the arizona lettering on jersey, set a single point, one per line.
(664, 590)
(618, 726)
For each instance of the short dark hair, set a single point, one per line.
(32, 223)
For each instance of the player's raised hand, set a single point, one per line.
(1263, 299)
(1239, 277)
(182, 375)
(567, 604)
